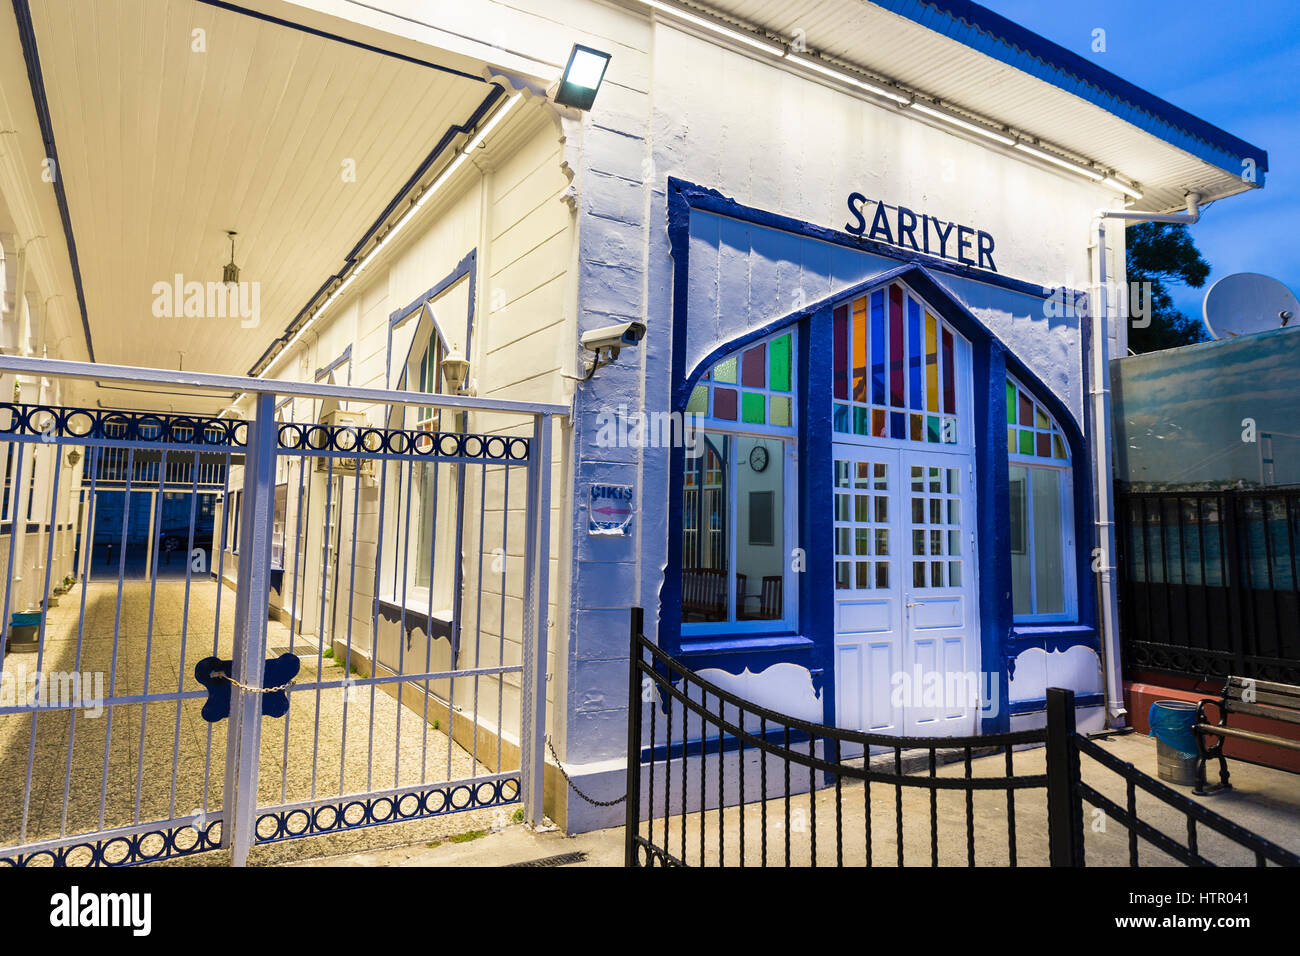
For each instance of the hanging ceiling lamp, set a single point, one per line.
(230, 274)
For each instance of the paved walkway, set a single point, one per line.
(143, 762)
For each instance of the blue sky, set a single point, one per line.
(1236, 65)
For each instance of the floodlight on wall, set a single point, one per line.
(582, 77)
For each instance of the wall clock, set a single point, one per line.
(758, 458)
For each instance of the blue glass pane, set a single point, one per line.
(914, 357)
(878, 347)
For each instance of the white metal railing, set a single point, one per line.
(329, 535)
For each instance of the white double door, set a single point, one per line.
(906, 638)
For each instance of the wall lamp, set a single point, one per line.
(582, 77)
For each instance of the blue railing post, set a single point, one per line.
(1064, 802)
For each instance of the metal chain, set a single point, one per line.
(574, 787)
(256, 690)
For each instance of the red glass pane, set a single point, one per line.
(753, 367)
(841, 335)
(949, 375)
(724, 403)
(1026, 410)
(1044, 445)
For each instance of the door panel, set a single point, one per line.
(904, 591)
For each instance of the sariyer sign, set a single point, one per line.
(900, 226)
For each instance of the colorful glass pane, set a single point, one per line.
(699, 403)
(1011, 403)
(860, 350)
(931, 365)
(779, 364)
(949, 375)
(878, 348)
(725, 371)
(780, 411)
(896, 346)
(724, 403)
(753, 407)
(841, 336)
(753, 366)
(914, 397)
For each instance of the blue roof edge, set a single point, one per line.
(994, 35)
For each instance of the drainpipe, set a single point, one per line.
(1101, 430)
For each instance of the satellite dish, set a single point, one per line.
(1247, 302)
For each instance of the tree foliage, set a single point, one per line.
(1163, 254)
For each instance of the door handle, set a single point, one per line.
(915, 603)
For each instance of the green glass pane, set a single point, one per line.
(1026, 442)
(1058, 447)
(780, 410)
(932, 428)
(778, 379)
(1011, 440)
(860, 421)
(699, 402)
(725, 371)
(1040, 417)
(753, 408)
(1011, 404)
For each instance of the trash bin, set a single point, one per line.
(1171, 724)
(23, 630)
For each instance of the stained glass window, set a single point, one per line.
(1040, 510)
(739, 492)
(753, 387)
(895, 369)
(1031, 431)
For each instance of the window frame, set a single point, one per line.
(787, 438)
(421, 594)
(1065, 503)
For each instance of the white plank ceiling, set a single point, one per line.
(164, 148)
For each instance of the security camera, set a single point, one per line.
(614, 337)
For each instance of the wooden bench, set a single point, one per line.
(1248, 697)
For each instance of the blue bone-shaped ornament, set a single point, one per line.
(212, 673)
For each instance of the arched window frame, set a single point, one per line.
(711, 427)
(1038, 451)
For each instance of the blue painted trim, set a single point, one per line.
(737, 645)
(468, 266)
(447, 138)
(27, 36)
(345, 357)
(715, 745)
(1034, 705)
(991, 359)
(1052, 638)
(710, 200)
(357, 813)
(995, 36)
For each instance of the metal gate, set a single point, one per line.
(156, 704)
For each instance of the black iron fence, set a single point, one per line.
(716, 780)
(1210, 583)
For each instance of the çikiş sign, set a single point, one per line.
(921, 233)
